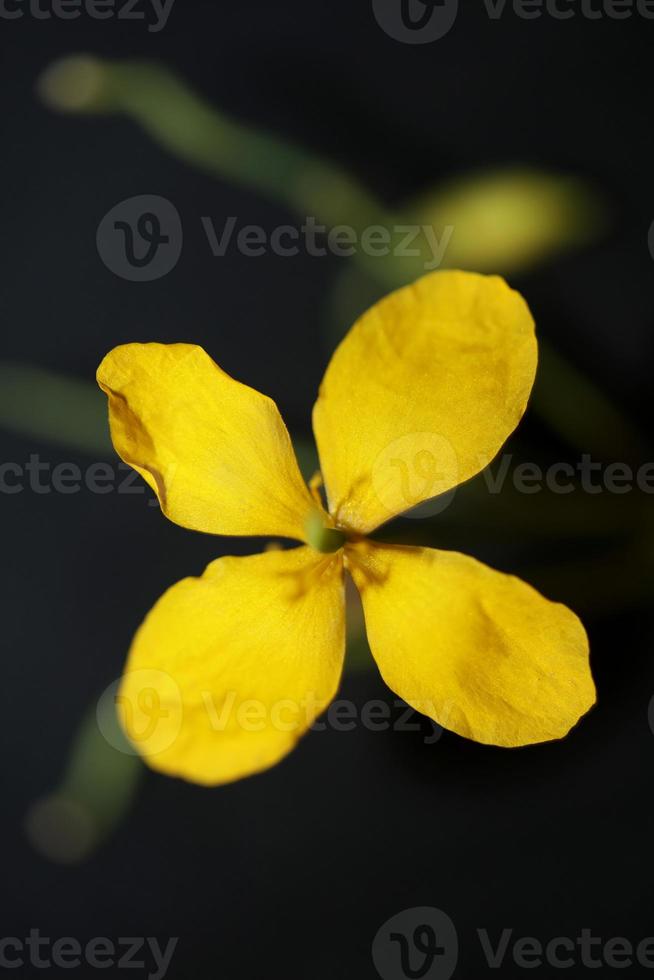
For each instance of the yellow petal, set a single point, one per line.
(480, 652)
(230, 669)
(421, 394)
(216, 452)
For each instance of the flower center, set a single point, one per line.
(322, 538)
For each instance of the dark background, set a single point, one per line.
(291, 873)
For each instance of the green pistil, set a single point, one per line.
(324, 539)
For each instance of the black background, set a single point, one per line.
(292, 872)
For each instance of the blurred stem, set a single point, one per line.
(579, 412)
(187, 126)
(41, 404)
(181, 121)
(193, 130)
(98, 787)
(100, 775)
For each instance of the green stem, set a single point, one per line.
(98, 788)
(193, 130)
(181, 121)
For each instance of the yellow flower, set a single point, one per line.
(230, 669)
